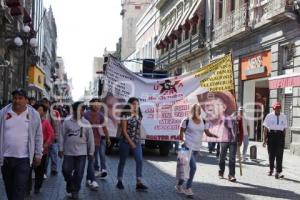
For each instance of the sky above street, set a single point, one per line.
(85, 28)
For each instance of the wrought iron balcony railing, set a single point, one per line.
(231, 24)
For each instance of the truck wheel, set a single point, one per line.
(164, 150)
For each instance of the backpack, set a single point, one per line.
(187, 120)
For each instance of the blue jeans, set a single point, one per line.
(53, 155)
(193, 168)
(232, 156)
(73, 169)
(15, 173)
(100, 151)
(90, 173)
(138, 155)
(245, 145)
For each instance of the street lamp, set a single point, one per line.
(26, 40)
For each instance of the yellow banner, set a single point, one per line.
(221, 78)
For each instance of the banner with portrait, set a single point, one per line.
(166, 102)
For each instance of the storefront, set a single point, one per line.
(255, 69)
(36, 87)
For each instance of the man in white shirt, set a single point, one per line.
(275, 124)
(21, 144)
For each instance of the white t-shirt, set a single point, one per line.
(193, 133)
(275, 123)
(16, 134)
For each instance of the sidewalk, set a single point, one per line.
(291, 162)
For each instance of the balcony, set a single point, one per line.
(262, 12)
(233, 24)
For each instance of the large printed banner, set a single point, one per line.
(166, 102)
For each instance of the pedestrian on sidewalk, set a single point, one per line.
(96, 119)
(53, 117)
(48, 137)
(275, 125)
(130, 138)
(191, 132)
(232, 143)
(76, 144)
(21, 144)
(244, 130)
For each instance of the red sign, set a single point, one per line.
(284, 82)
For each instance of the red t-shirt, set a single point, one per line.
(95, 118)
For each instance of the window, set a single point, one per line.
(288, 56)
(186, 34)
(179, 39)
(232, 5)
(194, 29)
(172, 44)
(220, 8)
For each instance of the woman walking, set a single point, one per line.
(48, 137)
(191, 132)
(130, 139)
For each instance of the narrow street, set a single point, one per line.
(159, 173)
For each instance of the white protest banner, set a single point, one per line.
(165, 102)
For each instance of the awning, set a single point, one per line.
(283, 81)
(185, 18)
(26, 16)
(16, 11)
(12, 3)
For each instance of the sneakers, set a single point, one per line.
(45, 176)
(179, 189)
(188, 192)
(279, 175)
(141, 186)
(97, 173)
(231, 178)
(120, 185)
(93, 185)
(221, 175)
(103, 174)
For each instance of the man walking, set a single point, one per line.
(53, 117)
(101, 137)
(21, 144)
(275, 124)
(76, 143)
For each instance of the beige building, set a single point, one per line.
(131, 13)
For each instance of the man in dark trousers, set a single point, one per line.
(275, 124)
(21, 144)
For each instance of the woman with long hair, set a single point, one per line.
(130, 138)
(191, 132)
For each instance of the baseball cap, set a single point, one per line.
(276, 105)
(19, 91)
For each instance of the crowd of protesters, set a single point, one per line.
(35, 134)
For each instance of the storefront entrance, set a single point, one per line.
(256, 104)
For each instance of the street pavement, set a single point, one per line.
(159, 175)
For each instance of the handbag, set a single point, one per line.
(183, 164)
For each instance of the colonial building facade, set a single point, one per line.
(264, 39)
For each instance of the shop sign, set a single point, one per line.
(256, 66)
(36, 77)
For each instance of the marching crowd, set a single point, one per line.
(34, 134)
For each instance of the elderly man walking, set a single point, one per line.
(21, 144)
